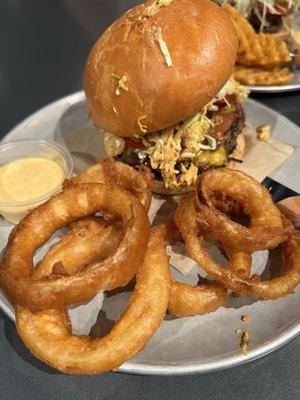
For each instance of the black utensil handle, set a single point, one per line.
(277, 191)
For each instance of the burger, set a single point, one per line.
(158, 84)
(268, 16)
(271, 16)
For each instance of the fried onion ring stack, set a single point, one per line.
(74, 202)
(83, 355)
(110, 243)
(268, 229)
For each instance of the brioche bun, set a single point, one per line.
(202, 44)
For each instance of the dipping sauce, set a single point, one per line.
(25, 183)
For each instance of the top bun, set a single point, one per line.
(202, 44)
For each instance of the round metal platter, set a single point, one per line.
(188, 345)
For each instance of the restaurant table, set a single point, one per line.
(43, 48)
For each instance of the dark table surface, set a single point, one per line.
(43, 48)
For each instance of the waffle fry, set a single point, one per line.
(256, 49)
(260, 76)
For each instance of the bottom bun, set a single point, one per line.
(158, 186)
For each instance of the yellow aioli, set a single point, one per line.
(24, 181)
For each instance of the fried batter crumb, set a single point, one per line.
(245, 338)
(245, 318)
(263, 132)
(245, 342)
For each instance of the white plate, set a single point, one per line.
(289, 87)
(196, 344)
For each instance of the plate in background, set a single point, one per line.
(289, 87)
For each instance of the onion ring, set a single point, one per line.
(188, 300)
(265, 231)
(88, 240)
(120, 174)
(186, 219)
(36, 228)
(48, 335)
(184, 299)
